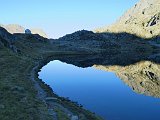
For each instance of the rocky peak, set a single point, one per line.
(142, 20)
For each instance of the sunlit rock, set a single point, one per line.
(142, 20)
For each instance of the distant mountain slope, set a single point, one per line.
(15, 28)
(39, 31)
(143, 19)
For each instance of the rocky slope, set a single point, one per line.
(143, 20)
(15, 28)
(111, 44)
(7, 40)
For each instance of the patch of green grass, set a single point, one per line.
(17, 94)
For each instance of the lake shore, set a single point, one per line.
(59, 107)
(25, 96)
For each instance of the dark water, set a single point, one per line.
(100, 92)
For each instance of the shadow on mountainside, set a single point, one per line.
(108, 48)
(89, 48)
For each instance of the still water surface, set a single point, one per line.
(100, 92)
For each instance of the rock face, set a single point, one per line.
(143, 20)
(15, 28)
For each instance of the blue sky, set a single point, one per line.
(59, 17)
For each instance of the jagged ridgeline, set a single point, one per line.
(143, 20)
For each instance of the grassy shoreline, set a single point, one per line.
(20, 98)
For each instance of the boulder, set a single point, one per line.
(28, 31)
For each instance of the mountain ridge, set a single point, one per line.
(15, 28)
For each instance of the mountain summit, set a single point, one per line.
(143, 20)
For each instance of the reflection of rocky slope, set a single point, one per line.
(14, 28)
(143, 77)
(143, 19)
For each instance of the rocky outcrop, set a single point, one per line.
(143, 20)
(8, 40)
(28, 31)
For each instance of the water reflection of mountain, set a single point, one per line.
(140, 72)
(142, 77)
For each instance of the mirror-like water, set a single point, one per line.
(100, 92)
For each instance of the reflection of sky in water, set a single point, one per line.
(100, 91)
